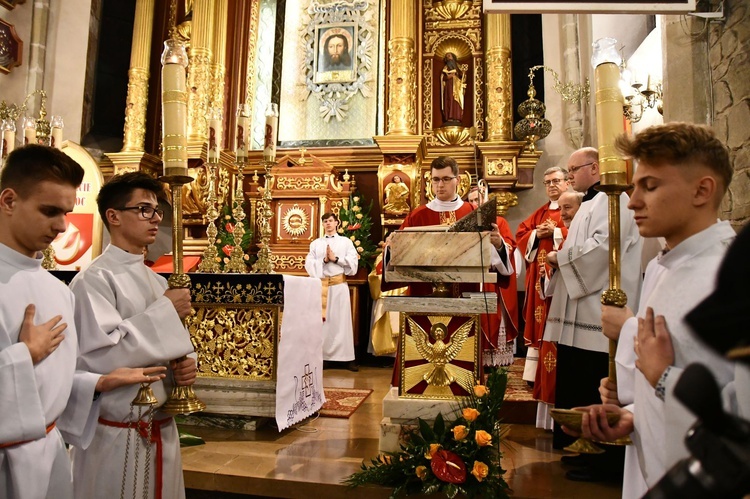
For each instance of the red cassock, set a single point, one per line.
(535, 308)
(546, 369)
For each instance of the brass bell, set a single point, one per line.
(145, 396)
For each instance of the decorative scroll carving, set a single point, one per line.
(402, 116)
(252, 42)
(135, 110)
(427, 94)
(297, 183)
(499, 98)
(498, 167)
(235, 342)
(288, 262)
(199, 78)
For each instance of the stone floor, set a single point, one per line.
(311, 459)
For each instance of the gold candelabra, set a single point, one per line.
(209, 262)
(264, 265)
(237, 257)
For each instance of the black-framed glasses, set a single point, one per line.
(438, 180)
(553, 181)
(147, 212)
(574, 169)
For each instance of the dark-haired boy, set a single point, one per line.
(128, 317)
(41, 393)
(683, 172)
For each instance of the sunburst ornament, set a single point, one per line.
(295, 221)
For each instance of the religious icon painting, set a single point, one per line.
(439, 355)
(335, 53)
(11, 47)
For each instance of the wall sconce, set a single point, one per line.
(637, 99)
(533, 126)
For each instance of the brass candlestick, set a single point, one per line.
(210, 263)
(237, 257)
(182, 400)
(264, 265)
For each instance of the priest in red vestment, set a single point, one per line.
(445, 209)
(539, 234)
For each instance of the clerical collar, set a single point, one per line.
(438, 205)
(553, 205)
(590, 193)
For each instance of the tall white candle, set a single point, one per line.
(174, 119)
(29, 135)
(269, 137)
(9, 142)
(56, 137)
(214, 139)
(243, 129)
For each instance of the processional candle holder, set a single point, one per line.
(264, 264)
(210, 261)
(174, 60)
(614, 181)
(237, 256)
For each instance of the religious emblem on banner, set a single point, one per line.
(439, 355)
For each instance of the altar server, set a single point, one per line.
(332, 258)
(43, 398)
(128, 318)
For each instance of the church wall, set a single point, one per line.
(65, 63)
(707, 80)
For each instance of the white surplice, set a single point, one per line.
(574, 317)
(338, 335)
(126, 321)
(32, 397)
(674, 284)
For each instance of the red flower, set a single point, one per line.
(354, 227)
(229, 227)
(448, 467)
(227, 249)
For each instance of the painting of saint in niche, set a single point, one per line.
(396, 191)
(336, 53)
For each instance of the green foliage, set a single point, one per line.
(225, 238)
(356, 224)
(420, 466)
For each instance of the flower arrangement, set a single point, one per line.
(458, 457)
(356, 224)
(225, 238)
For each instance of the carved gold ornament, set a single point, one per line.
(499, 167)
(295, 221)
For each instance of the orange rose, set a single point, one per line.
(483, 438)
(384, 458)
(421, 472)
(480, 390)
(480, 470)
(470, 414)
(433, 449)
(460, 432)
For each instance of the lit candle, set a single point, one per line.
(174, 109)
(243, 130)
(269, 137)
(56, 135)
(9, 137)
(29, 131)
(214, 135)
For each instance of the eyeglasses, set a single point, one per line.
(554, 181)
(574, 169)
(147, 212)
(444, 180)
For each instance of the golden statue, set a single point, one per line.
(439, 354)
(396, 196)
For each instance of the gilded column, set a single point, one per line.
(402, 74)
(199, 72)
(499, 86)
(138, 75)
(218, 67)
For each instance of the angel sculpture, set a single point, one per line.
(439, 354)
